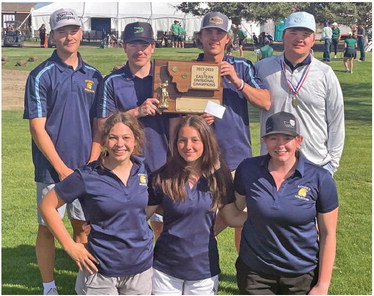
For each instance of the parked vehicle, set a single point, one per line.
(13, 35)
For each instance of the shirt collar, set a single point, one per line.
(63, 66)
(128, 74)
(299, 167)
(200, 58)
(306, 61)
(137, 163)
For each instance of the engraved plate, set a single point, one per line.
(204, 77)
(192, 105)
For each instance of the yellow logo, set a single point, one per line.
(142, 179)
(302, 193)
(89, 84)
(216, 20)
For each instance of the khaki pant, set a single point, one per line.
(98, 284)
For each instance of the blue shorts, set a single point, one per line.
(73, 209)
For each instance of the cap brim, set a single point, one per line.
(206, 27)
(293, 134)
(145, 39)
(298, 26)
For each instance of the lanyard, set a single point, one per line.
(299, 85)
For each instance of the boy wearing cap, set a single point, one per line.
(335, 37)
(282, 252)
(59, 103)
(174, 30)
(129, 89)
(240, 86)
(307, 88)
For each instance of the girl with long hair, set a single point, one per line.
(188, 190)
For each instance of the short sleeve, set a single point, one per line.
(328, 196)
(238, 184)
(250, 76)
(71, 187)
(36, 93)
(106, 98)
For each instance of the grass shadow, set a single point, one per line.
(19, 270)
(357, 101)
(226, 284)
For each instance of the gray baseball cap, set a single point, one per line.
(64, 17)
(215, 20)
(282, 123)
(301, 19)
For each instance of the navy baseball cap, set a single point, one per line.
(138, 31)
(282, 123)
(215, 20)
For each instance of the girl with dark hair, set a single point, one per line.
(188, 190)
(113, 194)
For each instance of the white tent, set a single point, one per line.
(159, 15)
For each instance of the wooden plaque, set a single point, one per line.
(186, 86)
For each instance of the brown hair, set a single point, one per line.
(172, 177)
(128, 120)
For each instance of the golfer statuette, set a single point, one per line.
(164, 95)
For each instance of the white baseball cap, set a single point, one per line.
(301, 19)
(64, 17)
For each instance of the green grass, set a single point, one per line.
(353, 272)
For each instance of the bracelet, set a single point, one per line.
(241, 86)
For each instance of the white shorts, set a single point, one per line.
(164, 284)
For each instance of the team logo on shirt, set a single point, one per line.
(89, 84)
(142, 179)
(302, 193)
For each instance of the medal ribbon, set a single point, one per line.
(299, 85)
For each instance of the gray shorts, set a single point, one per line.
(73, 209)
(98, 284)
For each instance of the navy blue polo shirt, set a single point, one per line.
(232, 130)
(66, 97)
(280, 236)
(123, 91)
(120, 238)
(187, 248)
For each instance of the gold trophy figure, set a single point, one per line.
(164, 95)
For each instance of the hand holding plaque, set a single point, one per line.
(186, 86)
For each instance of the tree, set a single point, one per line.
(346, 13)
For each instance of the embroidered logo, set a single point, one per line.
(291, 123)
(89, 84)
(138, 30)
(142, 179)
(216, 20)
(302, 193)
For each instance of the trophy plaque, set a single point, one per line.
(186, 86)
